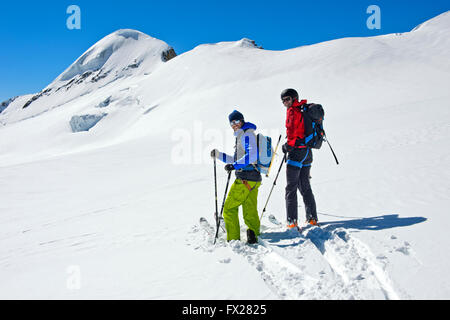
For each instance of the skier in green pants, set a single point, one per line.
(244, 191)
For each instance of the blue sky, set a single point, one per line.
(37, 46)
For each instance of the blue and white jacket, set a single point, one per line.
(245, 156)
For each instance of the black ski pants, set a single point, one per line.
(298, 178)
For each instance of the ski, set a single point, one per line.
(307, 226)
(300, 228)
(274, 220)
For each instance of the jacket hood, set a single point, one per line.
(248, 125)
(245, 127)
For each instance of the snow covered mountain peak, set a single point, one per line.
(118, 53)
(122, 54)
(247, 43)
(129, 33)
(226, 45)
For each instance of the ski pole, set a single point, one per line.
(273, 156)
(216, 214)
(223, 204)
(274, 183)
(335, 158)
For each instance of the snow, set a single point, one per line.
(120, 204)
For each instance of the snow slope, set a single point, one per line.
(120, 202)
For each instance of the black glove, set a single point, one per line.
(286, 148)
(215, 153)
(229, 167)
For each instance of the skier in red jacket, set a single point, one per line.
(299, 160)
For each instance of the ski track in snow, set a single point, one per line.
(317, 264)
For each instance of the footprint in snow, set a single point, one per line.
(405, 249)
(226, 260)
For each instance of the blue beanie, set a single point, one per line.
(236, 115)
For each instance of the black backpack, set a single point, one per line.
(313, 121)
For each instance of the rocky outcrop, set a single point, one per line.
(6, 103)
(248, 43)
(34, 98)
(104, 103)
(168, 55)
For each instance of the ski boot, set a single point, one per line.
(292, 224)
(312, 222)
(251, 237)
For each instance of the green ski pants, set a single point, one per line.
(239, 195)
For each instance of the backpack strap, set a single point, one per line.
(301, 143)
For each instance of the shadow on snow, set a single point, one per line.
(325, 231)
(374, 223)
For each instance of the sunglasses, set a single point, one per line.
(286, 99)
(235, 122)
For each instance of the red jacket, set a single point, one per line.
(295, 128)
